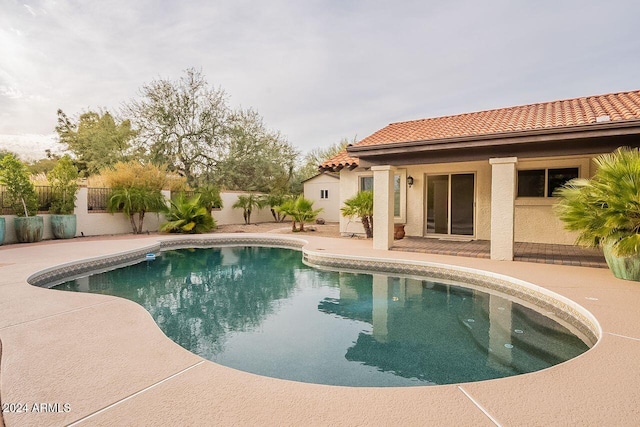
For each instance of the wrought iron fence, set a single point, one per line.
(97, 199)
(43, 192)
(45, 197)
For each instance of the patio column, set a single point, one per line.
(503, 196)
(382, 206)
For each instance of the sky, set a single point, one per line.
(317, 71)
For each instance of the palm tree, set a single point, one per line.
(300, 210)
(605, 210)
(273, 200)
(287, 209)
(136, 200)
(361, 206)
(247, 203)
(188, 216)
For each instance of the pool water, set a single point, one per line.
(262, 310)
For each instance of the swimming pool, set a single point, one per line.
(261, 310)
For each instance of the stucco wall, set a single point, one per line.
(227, 215)
(331, 205)
(100, 223)
(535, 220)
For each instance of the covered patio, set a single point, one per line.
(527, 252)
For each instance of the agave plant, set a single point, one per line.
(361, 206)
(188, 216)
(605, 209)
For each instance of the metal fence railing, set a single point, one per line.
(44, 200)
(97, 199)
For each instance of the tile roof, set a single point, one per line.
(546, 115)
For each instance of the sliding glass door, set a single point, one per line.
(450, 204)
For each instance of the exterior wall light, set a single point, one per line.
(410, 181)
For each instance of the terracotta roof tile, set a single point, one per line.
(545, 115)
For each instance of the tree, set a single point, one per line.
(20, 191)
(63, 180)
(361, 206)
(247, 203)
(188, 216)
(274, 200)
(303, 211)
(136, 189)
(182, 123)
(136, 200)
(95, 139)
(257, 159)
(300, 210)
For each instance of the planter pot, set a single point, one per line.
(29, 229)
(398, 231)
(2, 226)
(627, 268)
(63, 226)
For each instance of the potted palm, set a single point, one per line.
(605, 210)
(23, 199)
(63, 179)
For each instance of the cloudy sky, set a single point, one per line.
(317, 71)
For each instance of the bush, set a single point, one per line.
(188, 216)
(605, 210)
(20, 191)
(64, 186)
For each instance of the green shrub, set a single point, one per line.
(605, 209)
(19, 189)
(188, 216)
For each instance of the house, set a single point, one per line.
(324, 190)
(486, 175)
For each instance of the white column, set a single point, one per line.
(382, 206)
(503, 196)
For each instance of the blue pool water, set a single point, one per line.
(262, 310)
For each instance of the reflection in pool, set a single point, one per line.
(261, 310)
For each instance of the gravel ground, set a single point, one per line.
(325, 230)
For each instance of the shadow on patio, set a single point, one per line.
(527, 252)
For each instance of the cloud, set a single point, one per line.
(10, 92)
(316, 71)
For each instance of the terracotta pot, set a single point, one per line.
(398, 231)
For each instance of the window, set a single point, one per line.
(324, 194)
(543, 182)
(366, 183)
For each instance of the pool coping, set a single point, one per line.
(333, 254)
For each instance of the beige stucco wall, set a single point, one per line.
(535, 220)
(102, 223)
(228, 215)
(330, 206)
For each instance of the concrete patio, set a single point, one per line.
(106, 358)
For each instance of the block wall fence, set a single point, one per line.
(100, 223)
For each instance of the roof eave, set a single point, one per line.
(592, 130)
